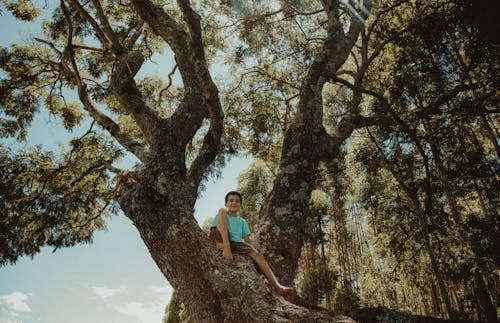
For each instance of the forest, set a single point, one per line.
(373, 126)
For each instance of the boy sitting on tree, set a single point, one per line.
(231, 235)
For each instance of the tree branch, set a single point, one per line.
(122, 82)
(206, 155)
(344, 42)
(190, 60)
(161, 23)
(126, 92)
(250, 19)
(212, 139)
(99, 32)
(433, 108)
(353, 87)
(191, 18)
(357, 22)
(382, 12)
(104, 121)
(201, 98)
(331, 142)
(165, 89)
(129, 143)
(117, 46)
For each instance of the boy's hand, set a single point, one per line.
(226, 252)
(222, 211)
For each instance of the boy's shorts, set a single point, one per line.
(236, 247)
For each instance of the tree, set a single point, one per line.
(97, 49)
(302, 112)
(441, 62)
(176, 311)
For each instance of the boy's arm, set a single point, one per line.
(222, 226)
(247, 239)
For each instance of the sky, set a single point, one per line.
(114, 279)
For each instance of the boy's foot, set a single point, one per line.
(283, 291)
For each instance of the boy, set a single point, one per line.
(231, 235)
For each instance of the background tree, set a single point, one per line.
(435, 91)
(176, 312)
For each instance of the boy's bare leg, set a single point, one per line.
(268, 273)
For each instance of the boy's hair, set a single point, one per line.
(233, 193)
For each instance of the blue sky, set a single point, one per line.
(114, 279)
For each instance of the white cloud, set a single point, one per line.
(16, 302)
(163, 291)
(143, 313)
(13, 305)
(106, 292)
(150, 308)
(9, 320)
(144, 305)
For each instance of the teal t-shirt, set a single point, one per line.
(237, 227)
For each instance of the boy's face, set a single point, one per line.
(233, 203)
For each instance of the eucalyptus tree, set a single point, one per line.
(438, 143)
(178, 135)
(175, 312)
(317, 278)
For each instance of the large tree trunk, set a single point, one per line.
(214, 290)
(280, 232)
(306, 144)
(161, 204)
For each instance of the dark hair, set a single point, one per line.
(233, 193)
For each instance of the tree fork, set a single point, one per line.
(213, 290)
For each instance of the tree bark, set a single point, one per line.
(484, 298)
